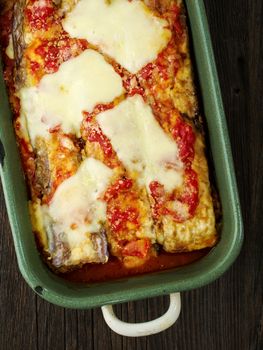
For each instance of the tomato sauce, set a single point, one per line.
(40, 15)
(123, 184)
(114, 269)
(54, 52)
(120, 215)
(130, 84)
(93, 132)
(119, 219)
(139, 248)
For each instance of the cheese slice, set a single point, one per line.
(125, 30)
(60, 98)
(141, 144)
(76, 210)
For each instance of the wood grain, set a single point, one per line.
(228, 313)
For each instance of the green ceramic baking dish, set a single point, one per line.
(66, 294)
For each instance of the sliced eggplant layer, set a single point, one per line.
(67, 249)
(57, 158)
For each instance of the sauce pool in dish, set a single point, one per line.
(114, 269)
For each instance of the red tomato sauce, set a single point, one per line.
(123, 184)
(114, 269)
(93, 132)
(118, 214)
(40, 15)
(54, 52)
(119, 219)
(139, 248)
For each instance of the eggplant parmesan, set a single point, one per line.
(109, 129)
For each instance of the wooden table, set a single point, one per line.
(228, 313)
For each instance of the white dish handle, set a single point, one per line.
(145, 328)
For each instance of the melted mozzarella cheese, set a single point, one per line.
(60, 98)
(126, 31)
(141, 144)
(76, 210)
(76, 205)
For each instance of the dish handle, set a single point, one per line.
(145, 328)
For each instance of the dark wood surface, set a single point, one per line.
(225, 315)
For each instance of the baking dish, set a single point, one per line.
(58, 291)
